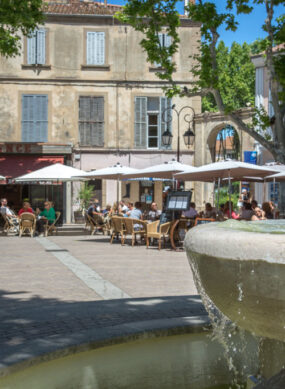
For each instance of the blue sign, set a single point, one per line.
(250, 157)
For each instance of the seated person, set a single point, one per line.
(10, 214)
(227, 211)
(191, 213)
(209, 212)
(26, 208)
(47, 216)
(154, 213)
(247, 212)
(123, 206)
(5, 210)
(268, 210)
(258, 214)
(94, 208)
(136, 212)
(254, 204)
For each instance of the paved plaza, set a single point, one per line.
(55, 289)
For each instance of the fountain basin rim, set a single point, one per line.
(55, 347)
(210, 240)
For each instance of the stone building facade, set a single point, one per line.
(84, 89)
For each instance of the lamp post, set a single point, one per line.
(189, 134)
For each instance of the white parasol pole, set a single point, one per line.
(218, 196)
(230, 200)
(214, 183)
(117, 194)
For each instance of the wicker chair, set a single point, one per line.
(118, 228)
(156, 231)
(27, 224)
(130, 224)
(9, 225)
(49, 229)
(100, 223)
(91, 224)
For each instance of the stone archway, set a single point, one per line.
(208, 125)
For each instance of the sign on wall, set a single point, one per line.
(250, 157)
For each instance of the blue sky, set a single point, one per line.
(250, 26)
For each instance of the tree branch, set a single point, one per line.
(273, 77)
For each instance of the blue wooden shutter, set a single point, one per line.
(34, 118)
(41, 47)
(97, 121)
(91, 121)
(36, 48)
(41, 116)
(95, 48)
(165, 115)
(140, 122)
(31, 49)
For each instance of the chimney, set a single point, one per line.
(105, 3)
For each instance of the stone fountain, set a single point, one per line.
(240, 266)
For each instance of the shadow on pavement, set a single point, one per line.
(23, 321)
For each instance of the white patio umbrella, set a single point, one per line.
(276, 177)
(116, 172)
(232, 170)
(2, 178)
(165, 170)
(55, 172)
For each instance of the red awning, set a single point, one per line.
(12, 166)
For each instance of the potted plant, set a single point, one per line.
(84, 197)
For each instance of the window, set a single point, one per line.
(34, 118)
(165, 41)
(95, 48)
(150, 117)
(36, 48)
(91, 121)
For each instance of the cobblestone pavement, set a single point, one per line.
(56, 287)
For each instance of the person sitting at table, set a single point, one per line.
(247, 212)
(9, 213)
(94, 208)
(154, 213)
(209, 212)
(258, 214)
(268, 210)
(254, 204)
(136, 212)
(191, 213)
(26, 208)
(46, 217)
(227, 211)
(123, 206)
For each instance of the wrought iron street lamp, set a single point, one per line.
(188, 136)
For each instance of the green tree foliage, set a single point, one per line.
(153, 16)
(236, 78)
(18, 17)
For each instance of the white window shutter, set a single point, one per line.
(41, 47)
(89, 47)
(140, 125)
(100, 48)
(95, 48)
(31, 49)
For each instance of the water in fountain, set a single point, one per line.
(224, 331)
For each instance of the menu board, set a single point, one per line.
(179, 201)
